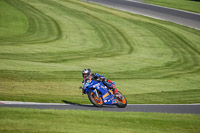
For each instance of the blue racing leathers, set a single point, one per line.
(108, 83)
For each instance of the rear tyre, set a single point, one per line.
(98, 102)
(121, 102)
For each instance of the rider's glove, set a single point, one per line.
(98, 78)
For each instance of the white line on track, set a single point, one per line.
(30, 103)
(167, 104)
(36, 103)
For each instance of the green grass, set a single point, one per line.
(77, 121)
(44, 45)
(188, 5)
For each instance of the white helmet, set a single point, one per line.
(86, 73)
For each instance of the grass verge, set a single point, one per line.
(77, 121)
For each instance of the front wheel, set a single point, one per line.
(98, 102)
(121, 102)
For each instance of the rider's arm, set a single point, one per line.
(98, 77)
(83, 82)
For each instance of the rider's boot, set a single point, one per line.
(111, 86)
(116, 93)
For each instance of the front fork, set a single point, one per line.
(96, 93)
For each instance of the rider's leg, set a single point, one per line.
(115, 90)
(111, 85)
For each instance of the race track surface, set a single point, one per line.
(177, 16)
(161, 108)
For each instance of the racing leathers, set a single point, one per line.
(108, 83)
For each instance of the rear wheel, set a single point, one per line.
(121, 101)
(96, 101)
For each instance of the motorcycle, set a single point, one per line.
(100, 95)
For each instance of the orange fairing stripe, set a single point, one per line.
(105, 95)
(111, 91)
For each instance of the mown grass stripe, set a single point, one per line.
(38, 22)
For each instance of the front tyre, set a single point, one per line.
(121, 102)
(98, 102)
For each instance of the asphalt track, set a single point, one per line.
(160, 108)
(173, 15)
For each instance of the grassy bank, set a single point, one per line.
(45, 121)
(44, 45)
(188, 5)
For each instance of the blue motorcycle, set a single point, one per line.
(100, 95)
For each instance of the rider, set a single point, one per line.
(87, 74)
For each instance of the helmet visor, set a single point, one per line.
(86, 75)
